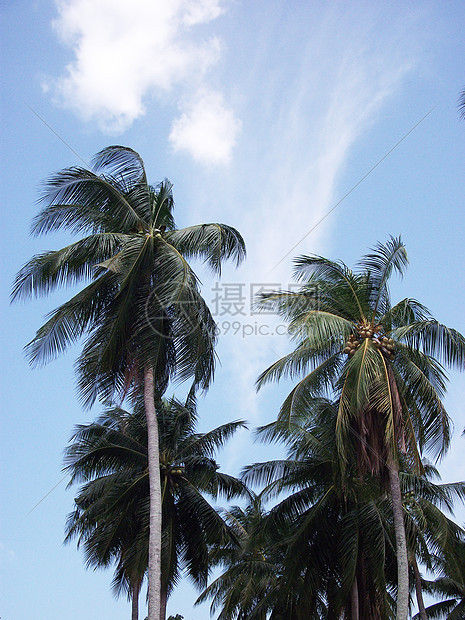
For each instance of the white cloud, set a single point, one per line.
(201, 11)
(126, 52)
(207, 129)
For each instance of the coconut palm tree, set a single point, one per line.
(250, 567)
(380, 362)
(432, 537)
(111, 516)
(142, 313)
(336, 541)
(450, 585)
(336, 528)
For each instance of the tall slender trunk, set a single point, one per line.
(419, 591)
(135, 601)
(354, 602)
(163, 602)
(401, 540)
(154, 571)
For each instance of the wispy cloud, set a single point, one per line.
(128, 53)
(303, 139)
(289, 174)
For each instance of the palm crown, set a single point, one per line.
(142, 288)
(111, 513)
(336, 532)
(359, 347)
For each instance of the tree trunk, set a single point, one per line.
(135, 602)
(163, 602)
(154, 570)
(354, 603)
(418, 590)
(401, 541)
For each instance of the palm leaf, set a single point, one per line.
(213, 243)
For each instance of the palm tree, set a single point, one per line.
(337, 541)
(111, 515)
(451, 585)
(250, 570)
(336, 527)
(378, 360)
(142, 313)
(431, 536)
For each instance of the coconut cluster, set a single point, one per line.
(387, 346)
(365, 330)
(351, 345)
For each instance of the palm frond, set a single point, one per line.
(70, 321)
(79, 200)
(208, 443)
(434, 339)
(68, 266)
(213, 243)
(120, 162)
(331, 275)
(379, 264)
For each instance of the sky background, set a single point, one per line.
(263, 115)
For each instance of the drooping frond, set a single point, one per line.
(421, 384)
(321, 330)
(120, 162)
(403, 313)
(212, 243)
(318, 383)
(361, 372)
(66, 267)
(70, 321)
(434, 339)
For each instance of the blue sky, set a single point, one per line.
(263, 114)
